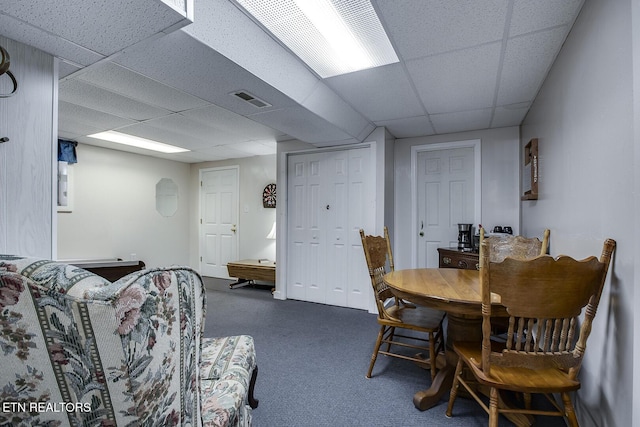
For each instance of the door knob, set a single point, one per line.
(233, 228)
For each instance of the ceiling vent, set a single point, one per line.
(256, 102)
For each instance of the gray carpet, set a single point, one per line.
(312, 362)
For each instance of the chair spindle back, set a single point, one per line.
(544, 298)
(377, 251)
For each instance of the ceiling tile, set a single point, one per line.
(224, 152)
(64, 69)
(408, 127)
(419, 28)
(457, 81)
(529, 16)
(47, 42)
(76, 127)
(73, 113)
(68, 135)
(180, 131)
(503, 117)
(118, 79)
(86, 95)
(111, 25)
(254, 148)
(231, 122)
(383, 93)
(527, 61)
(461, 121)
(302, 124)
(197, 157)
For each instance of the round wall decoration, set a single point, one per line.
(269, 196)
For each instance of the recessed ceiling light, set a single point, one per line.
(331, 36)
(135, 141)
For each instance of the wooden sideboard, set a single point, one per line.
(111, 270)
(455, 258)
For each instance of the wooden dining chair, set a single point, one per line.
(519, 247)
(394, 313)
(544, 298)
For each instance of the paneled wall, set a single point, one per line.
(29, 120)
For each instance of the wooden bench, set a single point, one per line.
(247, 271)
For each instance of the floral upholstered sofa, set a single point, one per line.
(78, 350)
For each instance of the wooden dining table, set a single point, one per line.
(456, 292)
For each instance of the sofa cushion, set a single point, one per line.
(234, 354)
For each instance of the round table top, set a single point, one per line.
(448, 289)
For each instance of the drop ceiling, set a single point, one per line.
(160, 70)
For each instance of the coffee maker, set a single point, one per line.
(464, 237)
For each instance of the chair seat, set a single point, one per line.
(548, 380)
(416, 318)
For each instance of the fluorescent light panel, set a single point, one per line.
(332, 36)
(135, 141)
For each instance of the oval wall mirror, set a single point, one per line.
(166, 197)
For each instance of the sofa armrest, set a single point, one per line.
(228, 354)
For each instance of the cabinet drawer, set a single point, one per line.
(451, 258)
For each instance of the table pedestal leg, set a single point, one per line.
(460, 327)
(440, 386)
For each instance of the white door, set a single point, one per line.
(330, 199)
(337, 215)
(219, 220)
(361, 211)
(306, 228)
(446, 186)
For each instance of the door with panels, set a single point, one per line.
(218, 220)
(446, 182)
(330, 199)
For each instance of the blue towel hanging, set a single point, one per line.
(67, 151)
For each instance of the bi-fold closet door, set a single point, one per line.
(330, 198)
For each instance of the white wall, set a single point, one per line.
(635, 37)
(255, 220)
(583, 118)
(29, 120)
(114, 209)
(500, 183)
(382, 161)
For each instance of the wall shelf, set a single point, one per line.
(530, 175)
